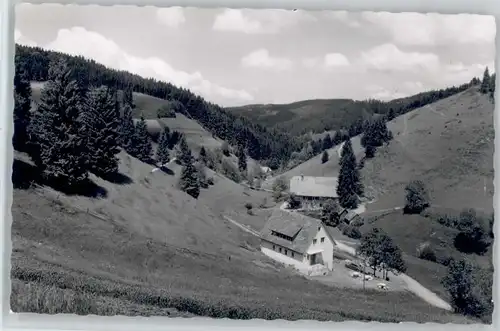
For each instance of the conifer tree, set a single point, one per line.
(102, 120)
(22, 107)
(184, 155)
(349, 184)
(57, 132)
(189, 181)
(327, 142)
(203, 155)
(324, 157)
(142, 148)
(242, 160)
(485, 84)
(127, 129)
(162, 153)
(128, 98)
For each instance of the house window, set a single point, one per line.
(286, 252)
(314, 241)
(322, 239)
(292, 254)
(280, 249)
(274, 247)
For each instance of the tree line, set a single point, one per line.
(272, 146)
(72, 133)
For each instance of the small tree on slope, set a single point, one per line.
(142, 148)
(127, 130)
(102, 120)
(485, 83)
(189, 182)
(324, 157)
(58, 137)
(162, 153)
(417, 198)
(22, 106)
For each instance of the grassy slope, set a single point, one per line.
(154, 250)
(449, 145)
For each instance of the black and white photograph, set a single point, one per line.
(253, 164)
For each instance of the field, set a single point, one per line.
(146, 248)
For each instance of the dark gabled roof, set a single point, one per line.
(300, 227)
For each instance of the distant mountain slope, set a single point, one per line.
(321, 115)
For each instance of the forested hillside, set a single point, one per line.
(317, 116)
(271, 145)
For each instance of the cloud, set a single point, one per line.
(79, 41)
(261, 59)
(252, 21)
(381, 93)
(328, 61)
(343, 17)
(336, 60)
(20, 39)
(389, 58)
(434, 29)
(172, 17)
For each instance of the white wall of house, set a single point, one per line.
(296, 261)
(322, 242)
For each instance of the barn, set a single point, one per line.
(313, 191)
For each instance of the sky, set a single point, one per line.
(235, 57)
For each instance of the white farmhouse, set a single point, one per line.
(297, 240)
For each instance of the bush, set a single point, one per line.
(210, 181)
(470, 289)
(416, 197)
(426, 252)
(165, 111)
(293, 202)
(248, 205)
(352, 232)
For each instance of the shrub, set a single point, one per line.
(426, 252)
(165, 111)
(352, 232)
(248, 205)
(416, 197)
(293, 202)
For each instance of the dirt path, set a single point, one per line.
(424, 293)
(243, 227)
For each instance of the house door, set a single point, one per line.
(313, 259)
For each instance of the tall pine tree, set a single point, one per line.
(189, 181)
(22, 107)
(102, 121)
(128, 98)
(162, 153)
(349, 184)
(127, 129)
(485, 83)
(57, 132)
(242, 160)
(142, 148)
(203, 156)
(184, 155)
